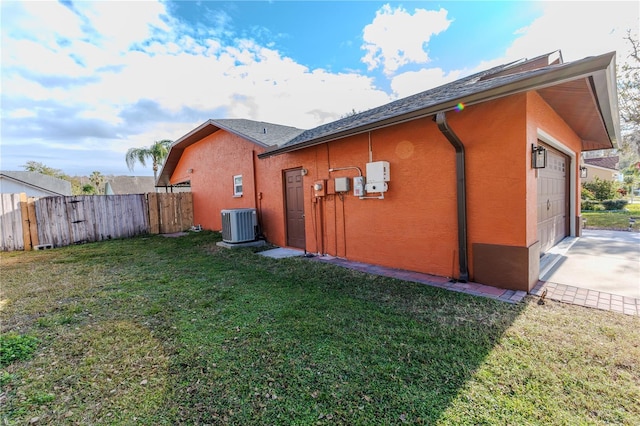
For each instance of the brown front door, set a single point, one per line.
(294, 201)
(553, 205)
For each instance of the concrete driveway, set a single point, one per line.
(604, 261)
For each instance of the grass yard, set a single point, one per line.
(166, 331)
(613, 220)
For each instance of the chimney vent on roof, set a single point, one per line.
(264, 130)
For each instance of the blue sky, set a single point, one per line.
(82, 82)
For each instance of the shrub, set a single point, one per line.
(591, 206)
(15, 347)
(602, 189)
(614, 204)
(585, 194)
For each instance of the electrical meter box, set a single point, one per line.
(342, 184)
(320, 188)
(377, 176)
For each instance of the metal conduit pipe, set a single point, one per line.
(461, 184)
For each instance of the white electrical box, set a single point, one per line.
(377, 176)
(378, 171)
(358, 186)
(376, 187)
(342, 184)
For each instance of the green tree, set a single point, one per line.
(88, 189)
(157, 153)
(631, 178)
(38, 167)
(97, 180)
(629, 99)
(602, 189)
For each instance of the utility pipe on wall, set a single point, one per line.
(461, 183)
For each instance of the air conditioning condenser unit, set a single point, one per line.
(239, 225)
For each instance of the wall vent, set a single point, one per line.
(239, 225)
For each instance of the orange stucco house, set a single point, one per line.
(472, 180)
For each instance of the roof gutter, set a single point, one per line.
(461, 192)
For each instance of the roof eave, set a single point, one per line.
(601, 67)
(177, 148)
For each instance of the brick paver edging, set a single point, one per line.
(476, 289)
(588, 298)
(558, 292)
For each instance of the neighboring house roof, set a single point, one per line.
(259, 132)
(39, 182)
(120, 185)
(582, 92)
(604, 162)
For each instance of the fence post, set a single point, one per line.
(33, 221)
(154, 211)
(24, 214)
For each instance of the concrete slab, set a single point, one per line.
(605, 261)
(281, 253)
(258, 243)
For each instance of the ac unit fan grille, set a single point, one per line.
(239, 225)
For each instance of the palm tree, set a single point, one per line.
(157, 152)
(97, 179)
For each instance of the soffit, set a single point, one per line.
(576, 103)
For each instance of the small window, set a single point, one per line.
(237, 186)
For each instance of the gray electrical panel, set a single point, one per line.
(342, 184)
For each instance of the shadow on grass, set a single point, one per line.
(246, 339)
(289, 341)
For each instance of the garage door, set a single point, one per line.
(553, 205)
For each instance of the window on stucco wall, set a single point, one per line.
(237, 186)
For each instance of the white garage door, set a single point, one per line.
(553, 205)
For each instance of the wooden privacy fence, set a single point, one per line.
(27, 223)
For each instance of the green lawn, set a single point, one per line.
(613, 220)
(166, 331)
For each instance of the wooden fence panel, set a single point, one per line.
(61, 221)
(53, 226)
(86, 218)
(170, 212)
(11, 230)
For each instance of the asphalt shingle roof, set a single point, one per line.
(39, 180)
(478, 87)
(259, 131)
(454, 90)
(604, 162)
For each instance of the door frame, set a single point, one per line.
(572, 173)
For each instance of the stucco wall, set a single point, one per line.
(415, 226)
(542, 120)
(210, 165)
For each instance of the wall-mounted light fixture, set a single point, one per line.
(304, 172)
(583, 172)
(189, 171)
(538, 157)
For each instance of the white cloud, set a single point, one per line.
(413, 82)
(578, 29)
(119, 75)
(396, 37)
(107, 76)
